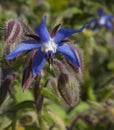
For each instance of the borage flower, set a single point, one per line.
(103, 20)
(47, 45)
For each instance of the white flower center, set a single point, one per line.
(102, 20)
(50, 46)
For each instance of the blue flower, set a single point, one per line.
(47, 44)
(103, 20)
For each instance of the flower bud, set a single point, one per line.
(27, 73)
(68, 88)
(12, 33)
(13, 30)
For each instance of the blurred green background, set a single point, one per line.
(95, 110)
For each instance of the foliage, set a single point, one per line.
(45, 109)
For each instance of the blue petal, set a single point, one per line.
(94, 22)
(69, 53)
(42, 31)
(100, 12)
(65, 32)
(109, 17)
(38, 62)
(109, 25)
(24, 46)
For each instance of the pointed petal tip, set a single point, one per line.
(44, 19)
(100, 12)
(9, 57)
(62, 33)
(34, 74)
(42, 31)
(83, 27)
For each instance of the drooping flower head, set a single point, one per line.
(102, 20)
(47, 44)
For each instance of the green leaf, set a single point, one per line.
(58, 121)
(21, 96)
(5, 121)
(81, 107)
(58, 110)
(48, 94)
(24, 104)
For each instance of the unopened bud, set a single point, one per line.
(27, 73)
(13, 30)
(12, 34)
(69, 89)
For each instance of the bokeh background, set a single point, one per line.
(95, 109)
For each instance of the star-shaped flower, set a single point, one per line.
(103, 20)
(47, 44)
